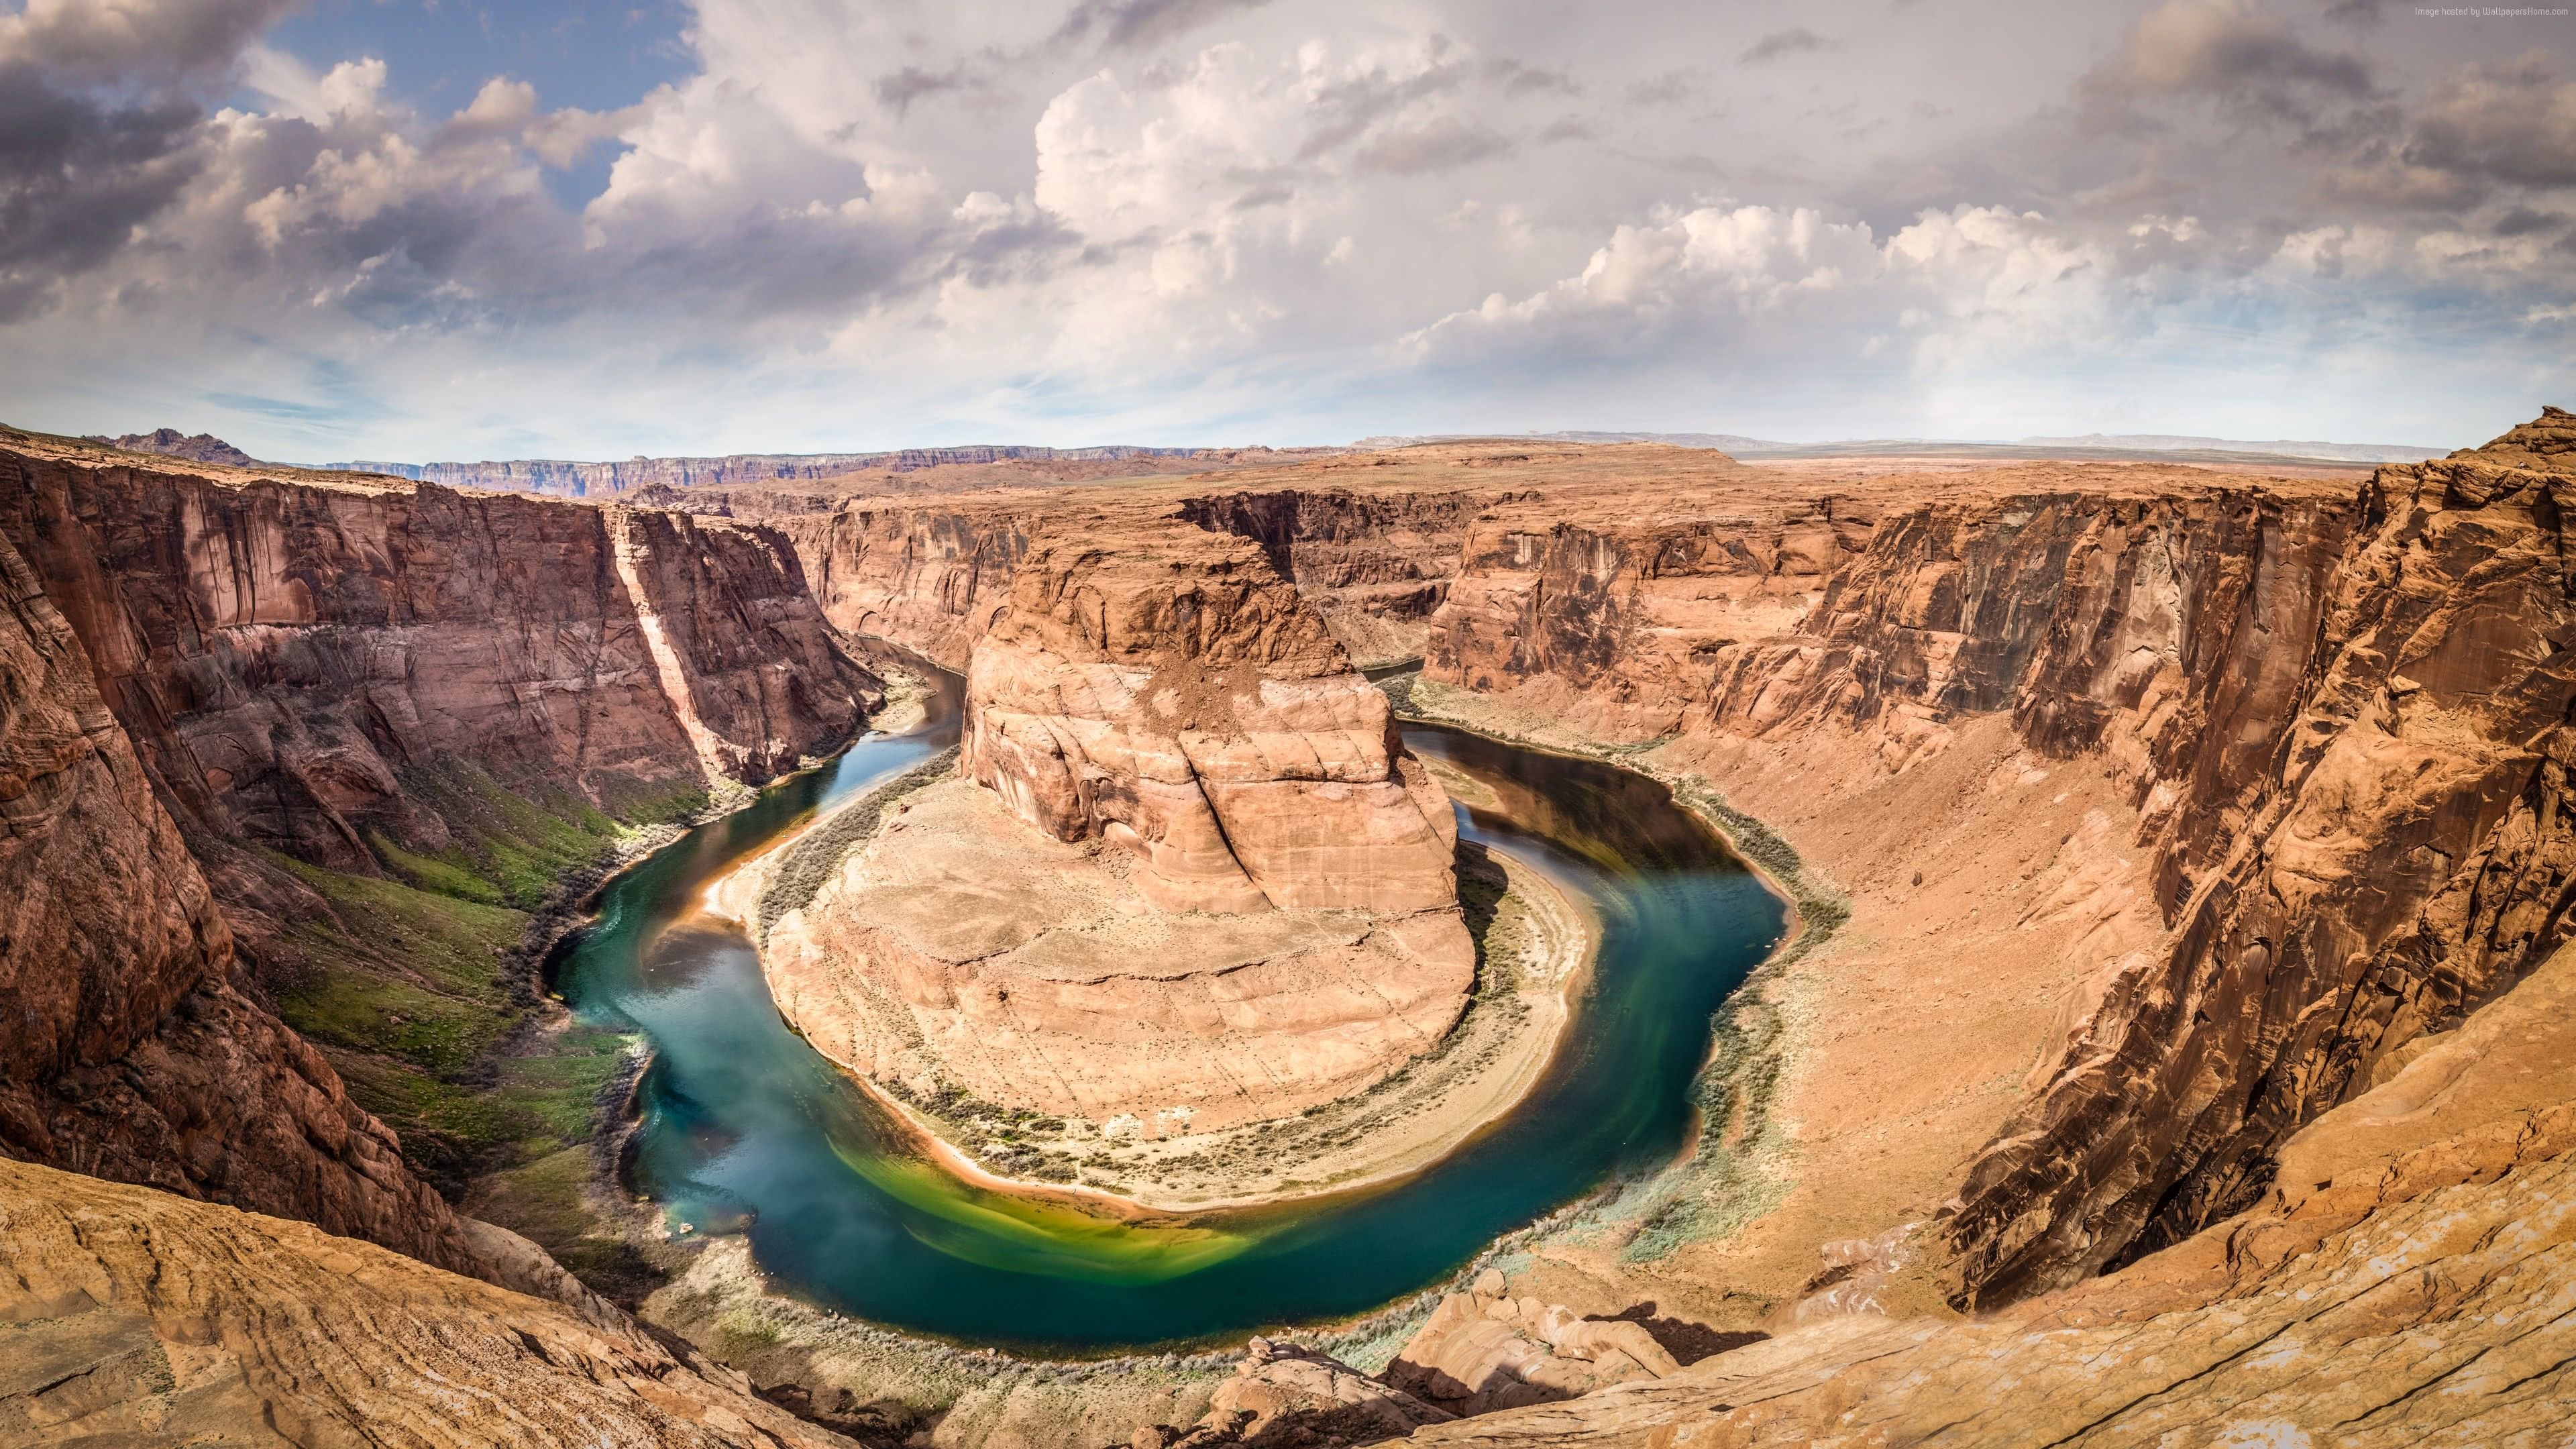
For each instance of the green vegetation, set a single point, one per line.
(543, 1200)
(413, 984)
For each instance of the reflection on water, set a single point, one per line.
(749, 1130)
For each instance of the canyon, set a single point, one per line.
(2175, 1028)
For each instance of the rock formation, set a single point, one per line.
(1375, 564)
(2405, 1281)
(1485, 1350)
(928, 576)
(134, 1317)
(131, 1053)
(2360, 852)
(266, 660)
(1286, 1394)
(959, 950)
(284, 652)
(1228, 893)
(1172, 695)
(190, 447)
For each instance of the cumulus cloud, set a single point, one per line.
(2242, 59)
(1177, 218)
(134, 40)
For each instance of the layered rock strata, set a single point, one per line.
(1375, 564)
(283, 652)
(1203, 883)
(133, 1317)
(2358, 851)
(131, 1052)
(2405, 1281)
(2335, 719)
(1175, 697)
(265, 661)
(959, 950)
(928, 576)
(1485, 1350)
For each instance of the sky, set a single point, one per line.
(461, 229)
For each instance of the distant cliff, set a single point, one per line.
(609, 480)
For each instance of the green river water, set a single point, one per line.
(747, 1130)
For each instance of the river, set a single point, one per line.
(748, 1130)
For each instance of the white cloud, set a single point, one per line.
(878, 224)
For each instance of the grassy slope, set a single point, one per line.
(417, 994)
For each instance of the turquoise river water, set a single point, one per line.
(747, 1130)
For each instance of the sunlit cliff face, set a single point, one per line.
(335, 230)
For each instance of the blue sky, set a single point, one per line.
(343, 228)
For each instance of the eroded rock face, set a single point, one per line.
(130, 1053)
(136, 1317)
(1173, 695)
(283, 652)
(1484, 1350)
(2339, 720)
(2370, 851)
(1286, 1394)
(2405, 1281)
(929, 577)
(1376, 565)
(283, 661)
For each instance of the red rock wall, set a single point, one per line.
(928, 578)
(1380, 556)
(282, 653)
(276, 659)
(130, 1052)
(1172, 694)
(2355, 854)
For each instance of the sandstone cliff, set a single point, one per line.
(284, 652)
(2359, 852)
(2406, 1281)
(930, 577)
(318, 680)
(2334, 718)
(130, 1051)
(1375, 564)
(1175, 696)
(1204, 883)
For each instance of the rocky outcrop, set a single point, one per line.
(1376, 565)
(1286, 1394)
(134, 1317)
(2404, 1281)
(130, 1051)
(191, 447)
(2354, 855)
(350, 672)
(284, 654)
(1187, 742)
(1484, 1350)
(960, 951)
(2337, 719)
(929, 577)
(1174, 696)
